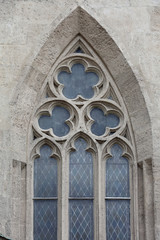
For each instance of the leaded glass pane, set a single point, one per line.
(117, 174)
(118, 219)
(81, 171)
(78, 82)
(102, 121)
(79, 50)
(57, 121)
(81, 220)
(45, 174)
(45, 219)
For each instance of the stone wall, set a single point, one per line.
(26, 26)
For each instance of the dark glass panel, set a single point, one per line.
(102, 121)
(45, 174)
(81, 220)
(110, 97)
(118, 219)
(56, 121)
(117, 174)
(78, 82)
(81, 171)
(45, 219)
(79, 50)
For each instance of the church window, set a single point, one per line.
(83, 148)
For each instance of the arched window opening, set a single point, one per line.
(117, 196)
(81, 192)
(83, 113)
(45, 195)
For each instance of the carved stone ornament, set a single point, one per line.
(79, 95)
(81, 104)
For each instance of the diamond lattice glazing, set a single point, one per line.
(45, 174)
(45, 219)
(81, 220)
(118, 219)
(81, 171)
(117, 174)
(117, 182)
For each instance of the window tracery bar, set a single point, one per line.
(45, 195)
(81, 193)
(117, 196)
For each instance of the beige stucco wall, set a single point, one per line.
(25, 26)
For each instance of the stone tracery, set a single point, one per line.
(82, 109)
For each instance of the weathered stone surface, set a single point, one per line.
(33, 34)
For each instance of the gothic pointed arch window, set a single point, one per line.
(83, 151)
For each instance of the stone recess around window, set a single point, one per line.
(80, 121)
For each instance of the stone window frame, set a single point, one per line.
(47, 137)
(28, 94)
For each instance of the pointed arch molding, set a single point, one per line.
(80, 22)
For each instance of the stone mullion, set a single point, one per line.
(59, 200)
(101, 197)
(148, 199)
(141, 202)
(23, 202)
(134, 201)
(65, 195)
(29, 202)
(97, 190)
(16, 200)
(156, 179)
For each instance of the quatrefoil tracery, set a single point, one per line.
(69, 106)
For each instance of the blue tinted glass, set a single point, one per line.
(45, 219)
(78, 82)
(56, 121)
(118, 219)
(102, 121)
(110, 97)
(81, 171)
(45, 174)
(117, 174)
(81, 220)
(79, 50)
